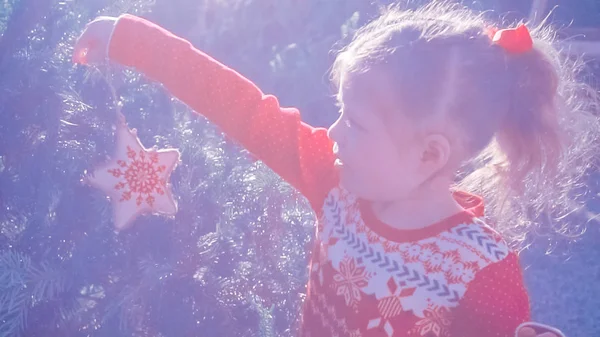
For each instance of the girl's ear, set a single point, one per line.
(436, 153)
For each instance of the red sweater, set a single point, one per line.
(454, 278)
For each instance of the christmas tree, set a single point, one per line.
(232, 261)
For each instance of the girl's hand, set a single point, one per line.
(531, 329)
(92, 46)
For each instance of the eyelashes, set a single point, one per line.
(352, 125)
(347, 122)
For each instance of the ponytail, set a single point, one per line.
(534, 174)
(529, 134)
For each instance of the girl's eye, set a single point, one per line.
(349, 124)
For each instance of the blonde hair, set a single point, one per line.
(530, 128)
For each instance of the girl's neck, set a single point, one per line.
(419, 210)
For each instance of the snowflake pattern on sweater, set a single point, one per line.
(378, 285)
(455, 278)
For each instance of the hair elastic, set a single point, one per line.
(514, 40)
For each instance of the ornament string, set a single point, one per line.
(116, 100)
(107, 76)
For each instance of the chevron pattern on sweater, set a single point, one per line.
(483, 240)
(382, 260)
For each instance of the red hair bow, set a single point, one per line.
(513, 40)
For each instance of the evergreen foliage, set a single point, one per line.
(232, 262)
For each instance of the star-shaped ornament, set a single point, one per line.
(136, 179)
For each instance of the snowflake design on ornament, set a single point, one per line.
(349, 281)
(140, 176)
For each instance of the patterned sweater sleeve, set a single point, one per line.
(495, 302)
(299, 153)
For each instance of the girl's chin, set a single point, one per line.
(347, 181)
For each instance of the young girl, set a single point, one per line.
(399, 251)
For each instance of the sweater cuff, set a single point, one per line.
(115, 43)
(111, 36)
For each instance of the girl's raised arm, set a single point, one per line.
(299, 153)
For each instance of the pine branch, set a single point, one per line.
(25, 15)
(266, 325)
(12, 322)
(13, 301)
(128, 307)
(70, 310)
(23, 286)
(13, 270)
(47, 282)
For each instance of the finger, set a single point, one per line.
(526, 332)
(80, 55)
(103, 18)
(82, 48)
(548, 334)
(542, 330)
